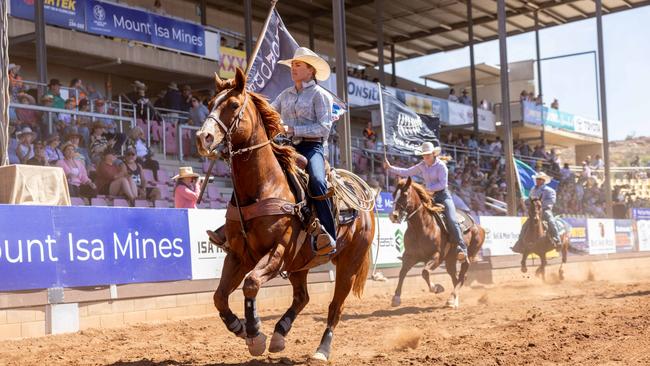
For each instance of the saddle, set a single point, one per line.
(465, 221)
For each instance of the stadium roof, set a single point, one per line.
(423, 27)
(462, 75)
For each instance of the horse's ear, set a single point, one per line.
(218, 83)
(240, 80)
(408, 184)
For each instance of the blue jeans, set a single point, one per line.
(443, 197)
(313, 151)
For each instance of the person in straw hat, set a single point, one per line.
(25, 148)
(187, 188)
(306, 110)
(547, 195)
(434, 172)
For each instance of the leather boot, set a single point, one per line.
(218, 238)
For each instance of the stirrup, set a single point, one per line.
(461, 254)
(325, 244)
(216, 240)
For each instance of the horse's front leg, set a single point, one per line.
(541, 271)
(267, 268)
(300, 300)
(524, 256)
(232, 275)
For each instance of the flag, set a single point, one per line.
(269, 78)
(525, 178)
(406, 130)
(266, 76)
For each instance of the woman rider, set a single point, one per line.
(434, 172)
(306, 110)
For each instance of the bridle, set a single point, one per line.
(399, 207)
(233, 127)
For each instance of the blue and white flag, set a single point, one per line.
(269, 78)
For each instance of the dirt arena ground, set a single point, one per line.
(588, 321)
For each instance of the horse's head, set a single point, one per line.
(402, 205)
(226, 119)
(534, 208)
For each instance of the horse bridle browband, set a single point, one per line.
(408, 215)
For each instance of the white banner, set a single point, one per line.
(643, 232)
(462, 114)
(207, 259)
(392, 242)
(503, 232)
(601, 236)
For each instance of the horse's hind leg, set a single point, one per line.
(267, 268)
(300, 300)
(565, 250)
(407, 263)
(450, 264)
(461, 281)
(541, 271)
(232, 275)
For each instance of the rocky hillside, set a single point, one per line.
(623, 152)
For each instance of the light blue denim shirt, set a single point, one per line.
(308, 111)
(435, 176)
(546, 194)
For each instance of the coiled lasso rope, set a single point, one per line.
(352, 190)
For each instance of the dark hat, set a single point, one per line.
(54, 82)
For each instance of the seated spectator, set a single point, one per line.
(198, 112)
(54, 90)
(146, 190)
(187, 188)
(144, 156)
(186, 102)
(101, 141)
(39, 158)
(28, 117)
(113, 178)
(16, 85)
(566, 173)
(13, 144)
(52, 151)
(523, 96)
(81, 153)
(25, 148)
(598, 163)
(586, 171)
(93, 93)
(83, 123)
(555, 104)
(452, 96)
(496, 147)
(370, 136)
(173, 98)
(79, 89)
(79, 184)
(66, 120)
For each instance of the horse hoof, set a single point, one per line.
(319, 357)
(256, 345)
(452, 304)
(397, 301)
(561, 275)
(524, 269)
(277, 343)
(437, 289)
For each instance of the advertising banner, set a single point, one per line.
(384, 202)
(118, 21)
(643, 232)
(391, 245)
(538, 115)
(207, 259)
(231, 59)
(462, 114)
(89, 246)
(502, 235)
(641, 213)
(601, 236)
(67, 14)
(625, 240)
(578, 239)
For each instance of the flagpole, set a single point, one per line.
(260, 38)
(383, 130)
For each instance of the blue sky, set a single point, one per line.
(572, 79)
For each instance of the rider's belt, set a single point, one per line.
(297, 140)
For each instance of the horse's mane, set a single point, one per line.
(426, 200)
(271, 120)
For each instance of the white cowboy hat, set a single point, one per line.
(24, 131)
(185, 172)
(14, 66)
(428, 148)
(139, 85)
(308, 56)
(172, 86)
(542, 175)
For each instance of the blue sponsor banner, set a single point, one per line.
(578, 234)
(42, 247)
(641, 213)
(625, 238)
(62, 13)
(384, 203)
(118, 21)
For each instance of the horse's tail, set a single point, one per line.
(362, 273)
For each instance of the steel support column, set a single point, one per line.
(310, 27)
(511, 198)
(393, 77)
(472, 66)
(539, 73)
(41, 47)
(343, 126)
(248, 27)
(204, 11)
(603, 107)
(379, 21)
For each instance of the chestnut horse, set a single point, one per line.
(425, 241)
(261, 247)
(536, 241)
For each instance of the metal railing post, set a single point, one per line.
(148, 127)
(164, 138)
(180, 142)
